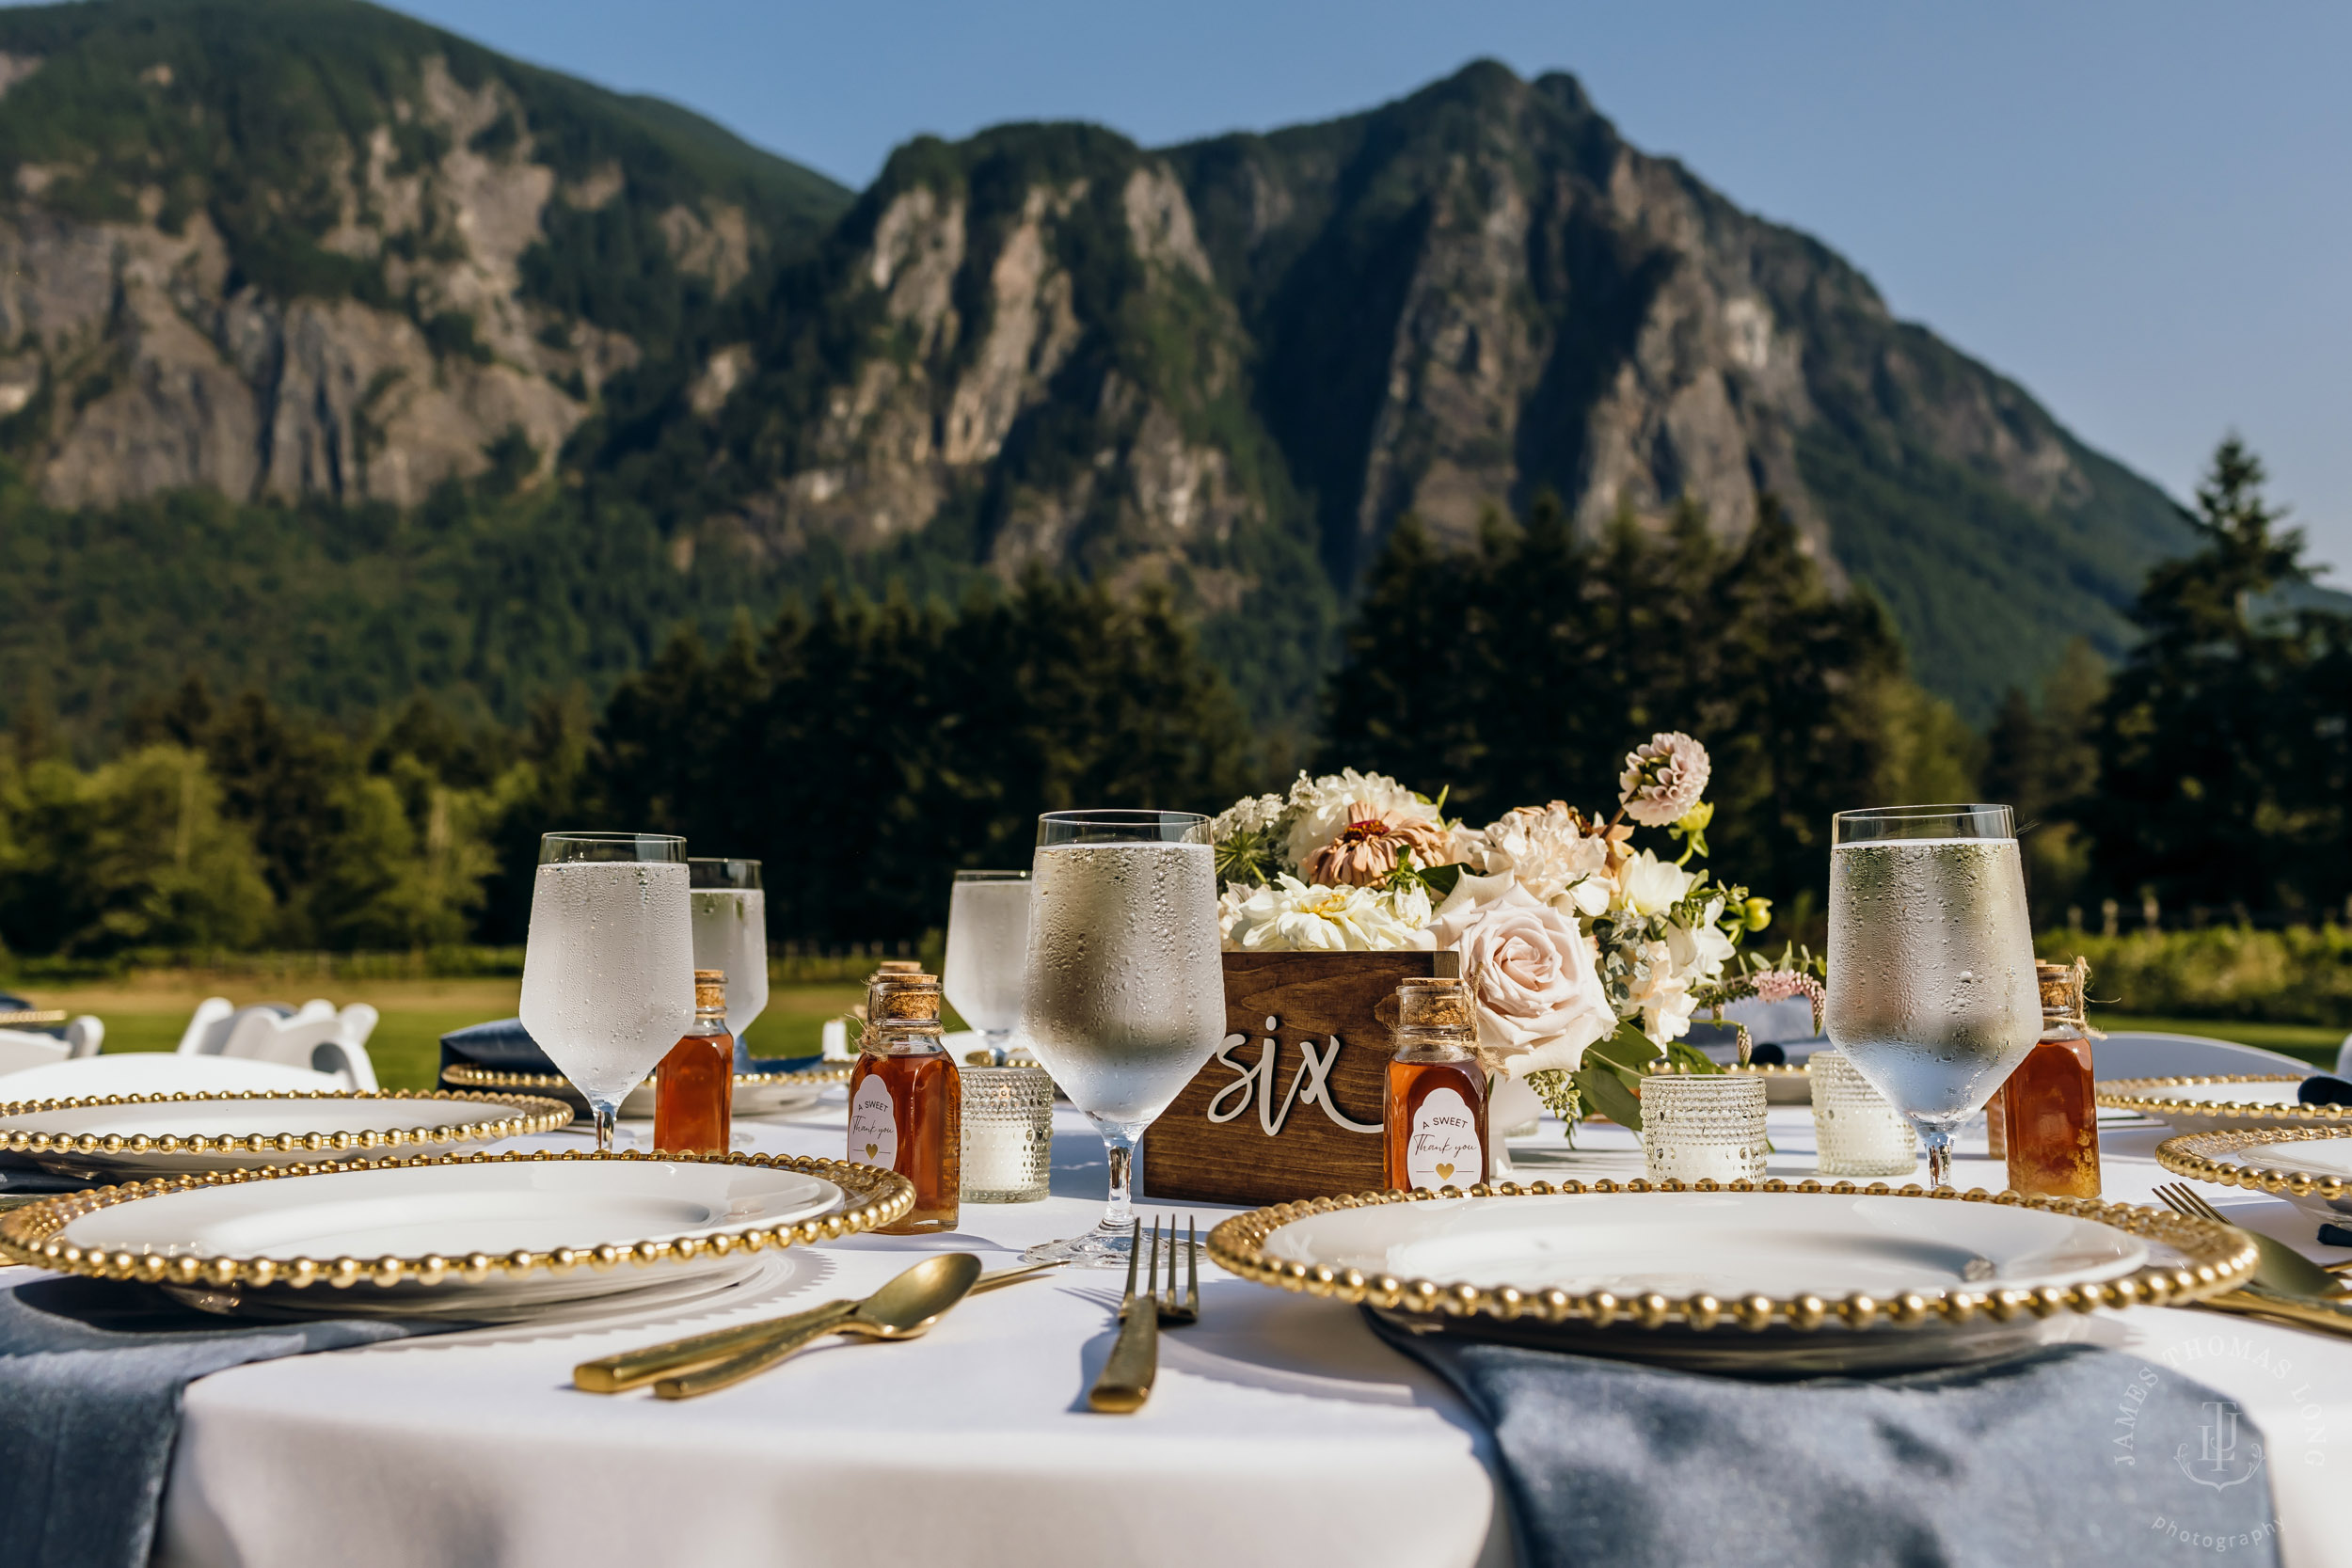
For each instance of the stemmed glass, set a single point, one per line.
(988, 944)
(1931, 991)
(731, 933)
(1125, 993)
(609, 972)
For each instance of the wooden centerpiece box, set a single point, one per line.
(1290, 1106)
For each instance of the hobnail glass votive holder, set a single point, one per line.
(1855, 1130)
(1007, 1133)
(1702, 1126)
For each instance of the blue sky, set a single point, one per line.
(2141, 210)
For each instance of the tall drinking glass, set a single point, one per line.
(731, 933)
(988, 947)
(1931, 990)
(1125, 993)
(609, 974)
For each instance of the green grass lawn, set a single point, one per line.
(147, 1013)
(2315, 1043)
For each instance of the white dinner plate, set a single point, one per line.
(1847, 1280)
(475, 1237)
(2308, 1166)
(134, 1136)
(2211, 1103)
(756, 1094)
(160, 1072)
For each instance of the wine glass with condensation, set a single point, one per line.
(1125, 996)
(730, 911)
(1931, 989)
(988, 948)
(609, 972)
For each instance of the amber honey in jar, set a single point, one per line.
(906, 1100)
(2050, 1105)
(693, 1088)
(1434, 1120)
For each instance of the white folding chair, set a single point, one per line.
(85, 1035)
(215, 1019)
(20, 1049)
(2137, 1055)
(323, 1042)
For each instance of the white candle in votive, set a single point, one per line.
(995, 1156)
(1008, 1128)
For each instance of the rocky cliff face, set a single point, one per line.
(371, 327)
(1228, 368)
(1202, 365)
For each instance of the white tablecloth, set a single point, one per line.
(1280, 1432)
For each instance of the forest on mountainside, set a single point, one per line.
(866, 746)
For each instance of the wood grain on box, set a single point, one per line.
(1290, 1106)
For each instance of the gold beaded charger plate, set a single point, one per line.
(473, 1237)
(2211, 1103)
(1783, 1084)
(113, 1137)
(1766, 1279)
(2308, 1166)
(756, 1094)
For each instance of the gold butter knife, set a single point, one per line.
(2329, 1317)
(1126, 1379)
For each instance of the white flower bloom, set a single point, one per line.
(1323, 806)
(1701, 951)
(1543, 848)
(1289, 916)
(1660, 993)
(1534, 976)
(1252, 813)
(1648, 885)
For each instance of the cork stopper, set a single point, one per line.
(710, 993)
(2062, 987)
(1433, 1004)
(897, 966)
(901, 999)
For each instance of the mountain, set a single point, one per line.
(281, 250)
(326, 261)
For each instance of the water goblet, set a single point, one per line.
(730, 912)
(609, 968)
(1931, 990)
(1124, 999)
(988, 948)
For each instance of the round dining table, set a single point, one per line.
(1280, 1431)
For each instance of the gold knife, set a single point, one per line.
(2299, 1311)
(1126, 1379)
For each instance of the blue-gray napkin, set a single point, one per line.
(32, 1178)
(92, 1373)
(505, 1046)
(2069, 1457)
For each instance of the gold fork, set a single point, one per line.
(2281, 1268)
(1175, 1313)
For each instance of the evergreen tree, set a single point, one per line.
(2225, 768)
(1523, 669)
(864, 750)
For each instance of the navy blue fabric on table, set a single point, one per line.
(2025, 1462)
(503, 1046)
(91, 1374)
(506, 1046)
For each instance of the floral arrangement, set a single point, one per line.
(1586, 956)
